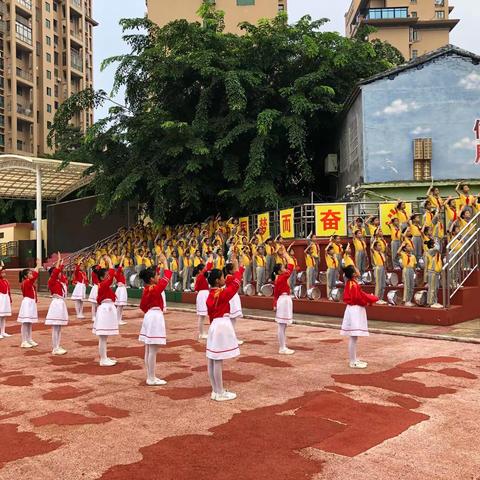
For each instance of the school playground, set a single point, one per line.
(413, 414)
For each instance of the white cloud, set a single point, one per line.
(421, 131)
(470, 82)
(465, 144)
(397, 107)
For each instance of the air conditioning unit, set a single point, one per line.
(331, 163)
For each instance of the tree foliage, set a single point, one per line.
(217, 122)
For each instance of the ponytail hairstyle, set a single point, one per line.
(23, 275)
(146, 275)
(198, 269)
(101, 272)
(276, 270)
(430, 243)
(213, 276)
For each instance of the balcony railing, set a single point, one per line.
(25, 3)
(387, 13)
(25, 75)
(23, 33)
(26, 110)
(76, 61)
(77, 4)
(77, 35)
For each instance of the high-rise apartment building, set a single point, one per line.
(236, 11)
(46, 56)
(414, 27)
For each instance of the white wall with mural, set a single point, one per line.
(439, 100)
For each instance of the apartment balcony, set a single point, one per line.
(77, 4)
(25, 110)
(25, 75)
(24, 34)
(77, 36)
(76, 61)
(25, 4)
(386, 13)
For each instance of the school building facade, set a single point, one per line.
(413, 125)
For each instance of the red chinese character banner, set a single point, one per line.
(286, 223)
(331, 218)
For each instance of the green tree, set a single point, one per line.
(218, 122)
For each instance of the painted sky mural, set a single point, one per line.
(438, 100)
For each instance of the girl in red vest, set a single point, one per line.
(153, 331)
(28, 314)
(355, 323)
(57, 315)
(121, 296)
(80, 281)
(5, 301)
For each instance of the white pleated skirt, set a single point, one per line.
(5, 305)
(236, 307)
(284, 311)
(106, 322)
(201, 303)
(222, 341)
(92, 297)
(28, 311)
(355, 323)
(121, 296)
(79, 292)
(153, 328)
(57, 312)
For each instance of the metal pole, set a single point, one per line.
(39, 213)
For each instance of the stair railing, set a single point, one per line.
(462, 259)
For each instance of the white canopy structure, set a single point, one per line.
(30, 178)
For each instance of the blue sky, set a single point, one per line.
(108, 41)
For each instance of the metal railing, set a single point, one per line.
(461, 260)
(25, 3)
(24, 74)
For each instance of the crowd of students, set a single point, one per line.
(220, 254)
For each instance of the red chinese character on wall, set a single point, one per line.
(286, 223)
(477, 160)
(263, 225)
(476, 129)
(330, 219)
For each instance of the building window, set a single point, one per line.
(414, 54)
(49, 108)
(49, 58)
(49, 91)
(422, 159)
(49, 74)
(245, 2)
(48, 24)
(414, 35)
(440, 14)
(56, 105)
(281, 7)
(49, 124)
(48, 40)
(47, 7)
(414, 14)
(440, 3)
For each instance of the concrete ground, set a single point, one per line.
(413, 414)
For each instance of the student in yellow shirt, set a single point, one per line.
(186, 262)
(372, 223)
(293, 277)
(396, 240)
(358, 225)
(347, 259)
(269, 257)
(247, 265)
(314, 251)
(219, 259)
(417, 240)
(434, 270)
(451, 212)
(310, 264)
(409, 262)
(174, 267)
(260, 263)
(402, 215)
(433, 196)
(332, 269)
(429, 214)
(361, 260)
(466, 199)
(379, 271)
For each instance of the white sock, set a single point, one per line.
(79, 308)
(201, 320)
(94, 310)
(119, 313)
(24, 330)
(211, 374)
(102, 347)
(29, 331)
(151, 361)
(352, 349)
(2, 325)
(56, 334)
(282, 335)
(217, 375)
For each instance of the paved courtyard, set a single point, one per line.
(413, 414)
